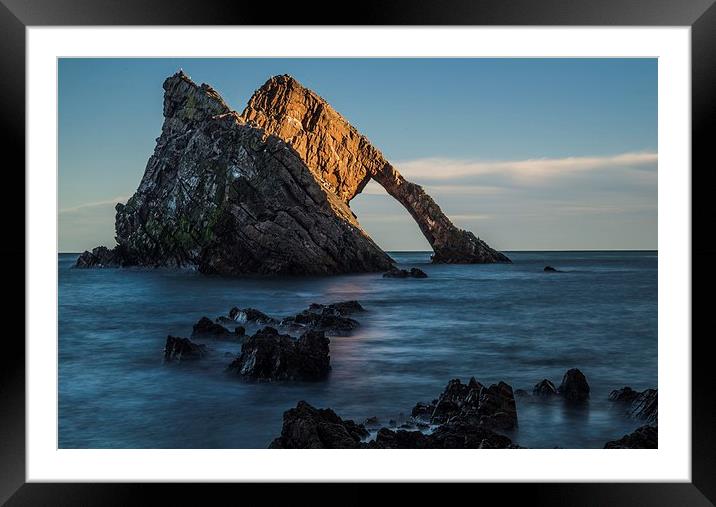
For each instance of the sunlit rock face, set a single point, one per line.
(343, 161)
(228, 198)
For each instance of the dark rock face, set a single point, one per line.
(574, 386)
(328, 318)
(404, 273)
(544, 388)
(344, 161)
(473, 404)
(306, 427)
(205, 327)
(268, 355)
(250, 316)
(645, 437)
(179, 349)
(550, 269)
(624, 395)
(230, 199)
(340, 308)
(103, 257)
(645, 407)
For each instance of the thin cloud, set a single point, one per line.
(529, 170)
(97, 204)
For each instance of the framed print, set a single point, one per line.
(438, 245)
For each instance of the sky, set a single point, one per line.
(529, 154)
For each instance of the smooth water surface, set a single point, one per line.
(496, 322)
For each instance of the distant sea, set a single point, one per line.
(496, 322)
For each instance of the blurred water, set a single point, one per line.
(496, 322)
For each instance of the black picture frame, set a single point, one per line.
(16, 15)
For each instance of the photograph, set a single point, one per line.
(358, 253)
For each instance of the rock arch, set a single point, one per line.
(343, 161)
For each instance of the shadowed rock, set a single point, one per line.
(545, 388)
(343, 160)
(268, 355)
(207, 328)
(404, 273)
(306, 427)
(574, 386)
(230, 199)
(472, 404)
(645, 437)
(179, 349)
(250, 316)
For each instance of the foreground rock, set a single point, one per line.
(230, 199)
(268, 355)
(645, 437)
(574, 386)
(472, 404)
(344, 161)
(306, 427)
(643, 406)
(179, 349)
(404, 273)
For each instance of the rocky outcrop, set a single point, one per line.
(331, 319)
(103, 257)
(206, 328)
(179, 349)
(544, 388)
(643, 406)
(404, 273)
(250, 316)
(343, 160)
(645, 437)
(306, 427)
(574, 386)
(228, 198)
(268, 355)
(473, 404)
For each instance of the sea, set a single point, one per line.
(498, 322)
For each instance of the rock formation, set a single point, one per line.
(574, 386)
(644, 437)
(178, 349)
(343, 160)
(230, 199)
(268, 355)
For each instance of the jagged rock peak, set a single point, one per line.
(344, 160)
(228, 198)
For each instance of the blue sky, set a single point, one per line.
(527, 153)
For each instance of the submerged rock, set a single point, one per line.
(306, 427)
(550, 269)
(624, 395)
(179, 349)
(339, 308)
(574, 386)
(404, 273)
(544, 388)
(228, 198)
(207, 328)
(645, 437)
(344, 161)
(268, 355)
